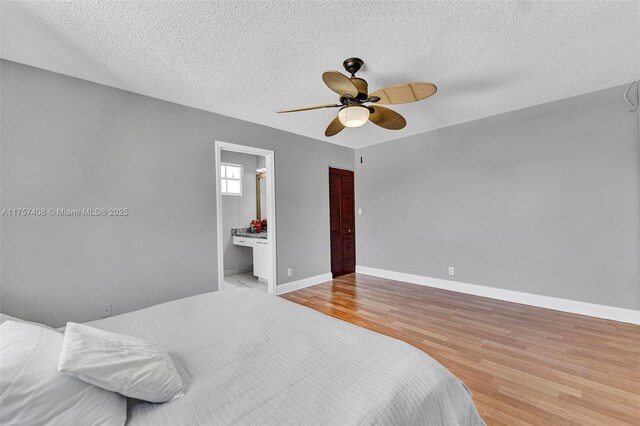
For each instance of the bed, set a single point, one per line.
(247, 357)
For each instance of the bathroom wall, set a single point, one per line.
(238, 212)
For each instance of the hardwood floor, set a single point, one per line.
(525, 365)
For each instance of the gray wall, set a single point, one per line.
(69, 143)
(238, 212)
(543, 200)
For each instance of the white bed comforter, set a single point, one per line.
(247, 357)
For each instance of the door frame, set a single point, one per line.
(271, 208)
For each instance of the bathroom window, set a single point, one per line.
(231, 179)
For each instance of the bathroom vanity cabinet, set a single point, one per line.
(260, 246)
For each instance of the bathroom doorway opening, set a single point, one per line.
(245, 217)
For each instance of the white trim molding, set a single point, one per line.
(555, 303)
(304, 283)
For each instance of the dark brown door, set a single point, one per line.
(342, 222)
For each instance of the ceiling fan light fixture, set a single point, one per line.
(354, 116)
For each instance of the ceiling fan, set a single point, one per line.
(354, 95)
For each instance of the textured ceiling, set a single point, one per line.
(250, 59)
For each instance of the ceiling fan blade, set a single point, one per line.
(339, 83)
(334, 127)
(310, 108)
(386, 118)
(405, 93)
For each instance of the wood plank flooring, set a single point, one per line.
(525, 365)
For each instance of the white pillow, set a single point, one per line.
(33, 392)
(5, 317)
(128, 365)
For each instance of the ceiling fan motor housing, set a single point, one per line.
(353, 65)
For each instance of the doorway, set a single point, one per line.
(245, 217)
(342, 221)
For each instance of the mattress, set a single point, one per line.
(247, 357)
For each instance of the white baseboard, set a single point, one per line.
(555, 303)
(303, 283)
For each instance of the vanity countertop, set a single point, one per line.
(242, 232)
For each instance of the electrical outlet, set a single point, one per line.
(452, 270)
(359, 211)
(106, 310)
(289, 272)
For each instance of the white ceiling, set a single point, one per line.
(250, 59)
